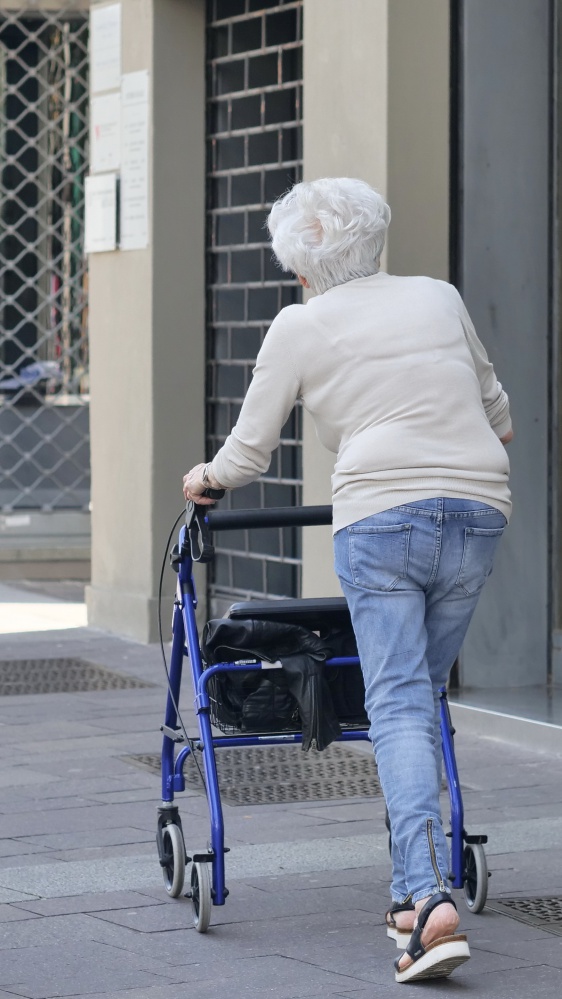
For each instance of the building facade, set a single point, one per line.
(449, 109)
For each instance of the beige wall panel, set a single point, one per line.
(148, 333)
(136, 33)
(376, 92)
(120, 417)
(418, 137)
(121, 403)
(345, 129)
(345, 74)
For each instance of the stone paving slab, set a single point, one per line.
(108, 901)
(9, 895)
(537, 981)
(363, 878)
(12, 913)
(226, 987)
(540, 951)
(54, 822)
(45, 858)
(61, 878)
(178, 944)
(144, 849)
(46, 804)
(68, 970)
(13, 848)
(247, 903)
(90, 837)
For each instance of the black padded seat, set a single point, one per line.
(312, 612)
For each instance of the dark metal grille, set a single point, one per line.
(276, 774)
(254, 153)
(546, 913)
(57, 676)
(44, 452)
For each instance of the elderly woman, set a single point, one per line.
(401, 390)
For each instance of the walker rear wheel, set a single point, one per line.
(201, 896)
(475, 876)
(173, 870)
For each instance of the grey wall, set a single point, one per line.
(505, 281)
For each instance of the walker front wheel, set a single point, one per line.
(201, 896)
(475, 876)
(173, 870)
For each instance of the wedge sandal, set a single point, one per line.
(440, 957)
(402, 937)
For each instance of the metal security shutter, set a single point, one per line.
(254, 153)
(44, 450)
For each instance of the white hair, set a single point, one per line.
(329, 231)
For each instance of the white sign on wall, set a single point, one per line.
(134, 161)
(105, 48)
(101, 213)
(105, 133)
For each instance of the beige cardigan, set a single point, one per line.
(400, 389)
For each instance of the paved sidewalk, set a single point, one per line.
(83, 910)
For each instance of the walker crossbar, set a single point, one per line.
(466, 851)
(281, 516)
(271, 739)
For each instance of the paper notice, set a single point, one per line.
(134, 161)
(105, 48)
(101, 213)
(105, 133)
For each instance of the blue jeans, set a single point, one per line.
(412, 576)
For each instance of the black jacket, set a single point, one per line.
(302, 694)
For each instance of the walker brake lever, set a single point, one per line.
(202, 549)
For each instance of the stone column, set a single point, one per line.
(147, 323)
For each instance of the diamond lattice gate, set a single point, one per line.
(44, 451)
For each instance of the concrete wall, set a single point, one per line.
(505, 276)
(376, 106)
(147, 332)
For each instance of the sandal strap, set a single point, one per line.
(406, 906)
(415, 948)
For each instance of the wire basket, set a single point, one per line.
(250, 702)
(258, 701)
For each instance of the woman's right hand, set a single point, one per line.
(194, 486)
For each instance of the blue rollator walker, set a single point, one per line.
(207, 879)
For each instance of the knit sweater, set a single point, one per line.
(399, 387)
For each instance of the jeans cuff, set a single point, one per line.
(426, 893)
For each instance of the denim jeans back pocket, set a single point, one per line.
(378, 556)
(477, 557)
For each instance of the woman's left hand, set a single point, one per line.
(194, 487)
